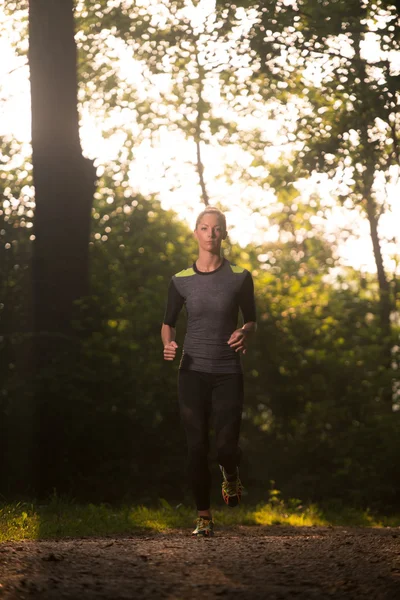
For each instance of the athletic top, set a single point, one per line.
(212, 300)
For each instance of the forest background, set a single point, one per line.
(281, 113)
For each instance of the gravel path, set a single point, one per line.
(239, 562)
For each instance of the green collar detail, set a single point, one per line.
(236, 269)
(186, 272)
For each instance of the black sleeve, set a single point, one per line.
(174, 304)
(246, 299)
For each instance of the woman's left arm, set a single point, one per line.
(238, 339)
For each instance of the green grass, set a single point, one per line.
(61, 518)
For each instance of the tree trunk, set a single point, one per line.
(199, 119)
(385, 304)
(200, 170)
(64, 186)
(384, 291)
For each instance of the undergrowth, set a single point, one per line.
(64, 518)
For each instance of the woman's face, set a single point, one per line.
(210, 233)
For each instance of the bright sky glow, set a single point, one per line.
(163, 164)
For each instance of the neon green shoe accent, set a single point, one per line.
(204, 528)
(236, 269)
(186, 272)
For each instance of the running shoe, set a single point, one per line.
(231, 488)
(204, 528)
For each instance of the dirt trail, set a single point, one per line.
(239, 562)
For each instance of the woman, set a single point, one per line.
(210, 372)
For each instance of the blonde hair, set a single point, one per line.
(211, 210)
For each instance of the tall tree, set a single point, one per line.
(190, 83)
(347, 106)
(64, 184)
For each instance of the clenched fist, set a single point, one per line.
(238, 340)
(170, 351)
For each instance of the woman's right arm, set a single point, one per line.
(174, 304)
(168, 339)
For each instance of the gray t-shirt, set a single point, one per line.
(212, 301)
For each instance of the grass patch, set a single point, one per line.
(60, 518)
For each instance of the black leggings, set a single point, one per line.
(205, 398)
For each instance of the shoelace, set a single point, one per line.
(231, 488)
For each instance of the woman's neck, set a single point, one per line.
(208, 261)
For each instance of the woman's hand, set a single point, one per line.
(238, 340)
(170, 350)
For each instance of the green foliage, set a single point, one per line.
(65, 518)
(314, 376)
(316, 385)
(117, 385)
(315, 419)
(315, 57)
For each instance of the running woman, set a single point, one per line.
(210, 373)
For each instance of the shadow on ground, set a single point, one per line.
(272, 562)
